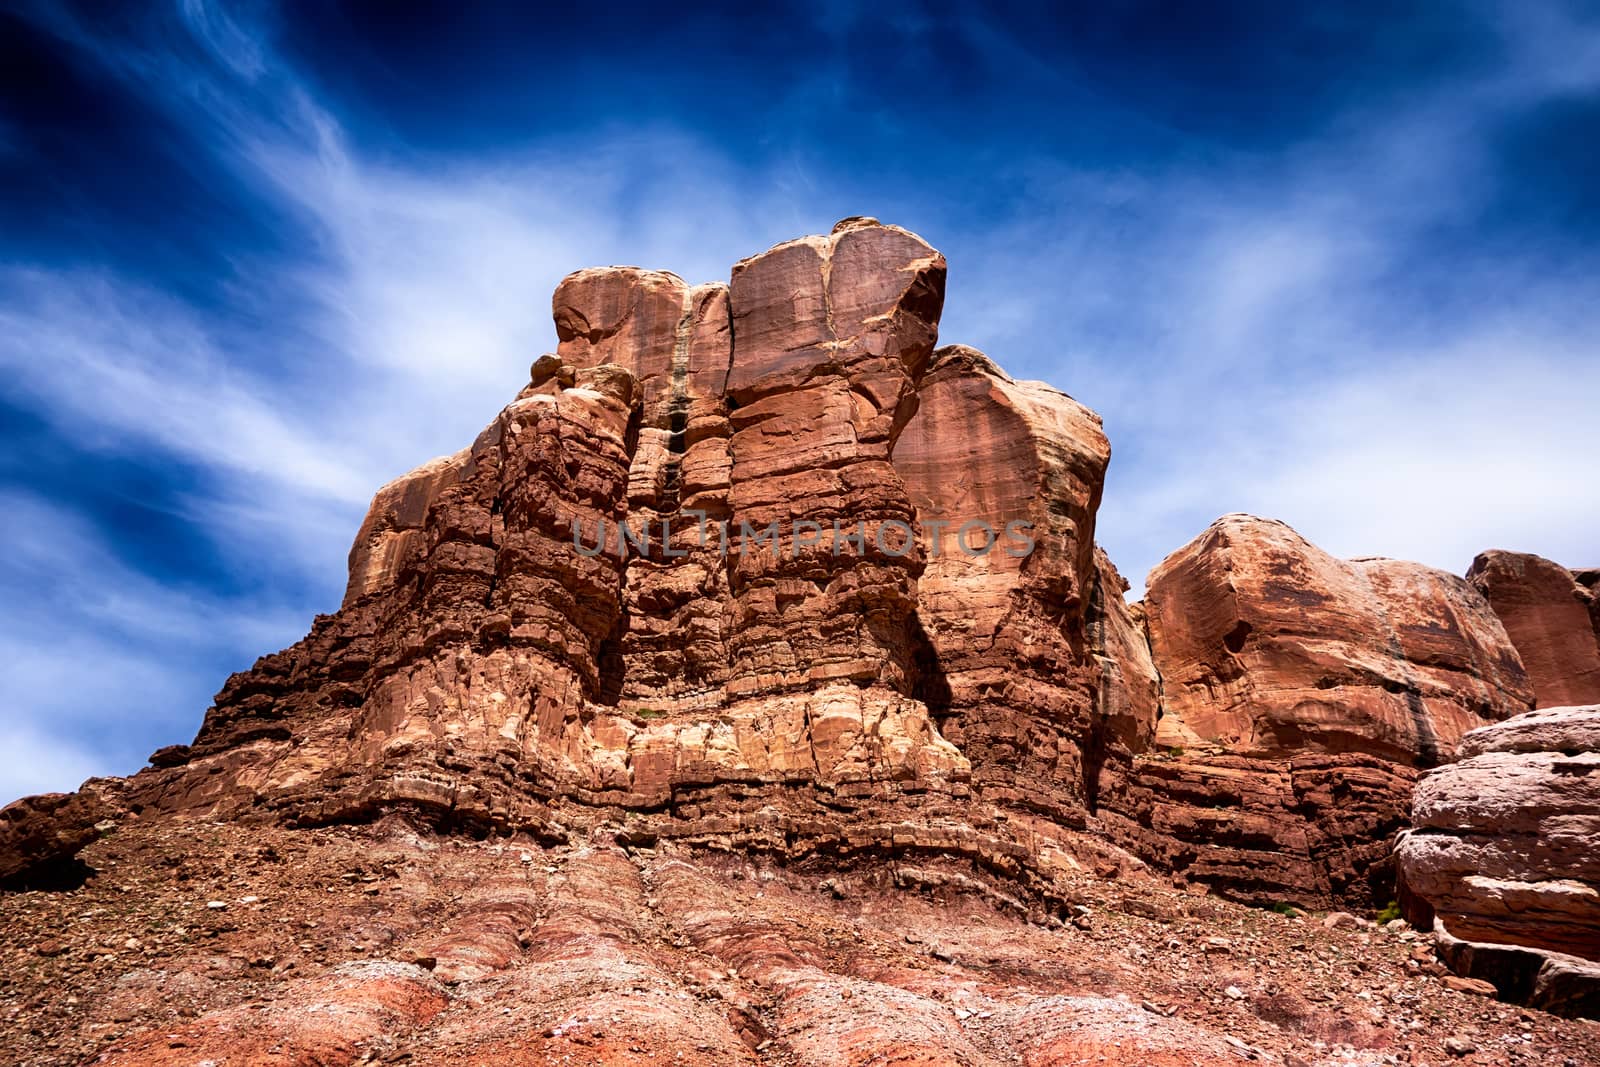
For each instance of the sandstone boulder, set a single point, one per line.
(1550, 618)
(1506, 845)
(39, 835)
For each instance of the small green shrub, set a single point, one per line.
(1389, 913)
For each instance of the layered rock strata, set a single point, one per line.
(1506, 852)
(747, 564)
(1299, 695)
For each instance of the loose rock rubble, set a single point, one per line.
(384, 944)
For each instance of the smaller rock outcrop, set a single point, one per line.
(40, 835)
(1299, 695)
(1551, 616)
(1272, 647)
(1505, 857)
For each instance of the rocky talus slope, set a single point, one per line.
(201, 942)
(776, 636)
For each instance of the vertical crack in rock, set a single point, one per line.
(678, 405)
(1422, 732)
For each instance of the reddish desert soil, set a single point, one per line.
(385, 945)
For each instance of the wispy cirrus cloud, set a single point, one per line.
(101, 658)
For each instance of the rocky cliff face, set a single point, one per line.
(1551, 617)
(1299, 694)
(760, 567)
(1005, 478)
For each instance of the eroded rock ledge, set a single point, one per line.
(1505, 858)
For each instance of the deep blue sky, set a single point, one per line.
(1336, 264)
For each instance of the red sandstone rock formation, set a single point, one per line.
(1013, 468)
(829, 688)
(1270, 647)
(1550, 617)
(857, 627)
(1506, 852)
(1298, 694)
(756, 565)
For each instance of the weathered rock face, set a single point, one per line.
(703, 574)
(1006, 477)
(1550, 617)
(673, 337)
(393, 538)
(1506, 851)
(1268, 646)
(832, 336)
(1299, 692)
